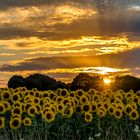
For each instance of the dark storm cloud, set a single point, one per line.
(129, 59)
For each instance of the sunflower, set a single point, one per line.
(129, 95)
(32, 111)
(67, 112)
(6, 95)
(7, 105)
(118, 113)
(72, 94)
(128, 108)
(99, 104)
(134, 115)
(65, 101)
(79, 93)
(38, 107)
(36, 100)
(23, 89)
(105, 105)
(15, 123)
(134, 105)
(27, 121)
(136, 99)
(32, 92)
(2, 108)
(88, 117)
(2, 122)
(96, 98)
(16, 110)
(64, 93)
(87, 107)
(92, 92)
(83, 99)
(16, 116)
(47, 105)
(27, 106)
(94, 106)
(59, 99)
(15, 97)
(37, 94)
(17, 104)
(45, 94)
(60, 108)
(46, 110)
(49, 116)
(120, 106)
(101, 113)
(138, 93)
(52, 95)
(111, 109)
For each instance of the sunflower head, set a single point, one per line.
(32, 111)
(79, 92)
(67, 112)
(6, 95)
(111, 109)
(87, 107)
(64, 93)
(49, 116)
(7, 105)
(36, 100)
(83, 99)
(101, 113)
(72, 94)
(60, 108)
(128, 108)
(2, 108)
(88, 117)
(16, 110)
(15, 97)
(27, 122)
(134, 115)
(15, 123)
(118, 113)
(59, 99)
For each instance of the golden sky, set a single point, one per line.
(52, 37)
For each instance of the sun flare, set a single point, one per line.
(107, 81)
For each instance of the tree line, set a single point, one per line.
(83, 81)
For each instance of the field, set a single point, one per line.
(69, 115)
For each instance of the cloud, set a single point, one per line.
(129, 59)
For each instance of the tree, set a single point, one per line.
(126, 83)
(41, 82)
(87, 81)
(16, 81)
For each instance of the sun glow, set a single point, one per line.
(107, 81)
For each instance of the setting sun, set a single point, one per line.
(107, 81)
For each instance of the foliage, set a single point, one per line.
(86, 81)
(39, 81)
(126, 83)
(62, 114)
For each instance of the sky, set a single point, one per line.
(62, 38)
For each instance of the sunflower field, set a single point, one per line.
(69, 115)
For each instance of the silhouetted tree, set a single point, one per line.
(87, 81)
(16, 81)
(41, 82)
(126, 83)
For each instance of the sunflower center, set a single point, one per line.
(15, 123)
(86, 108)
